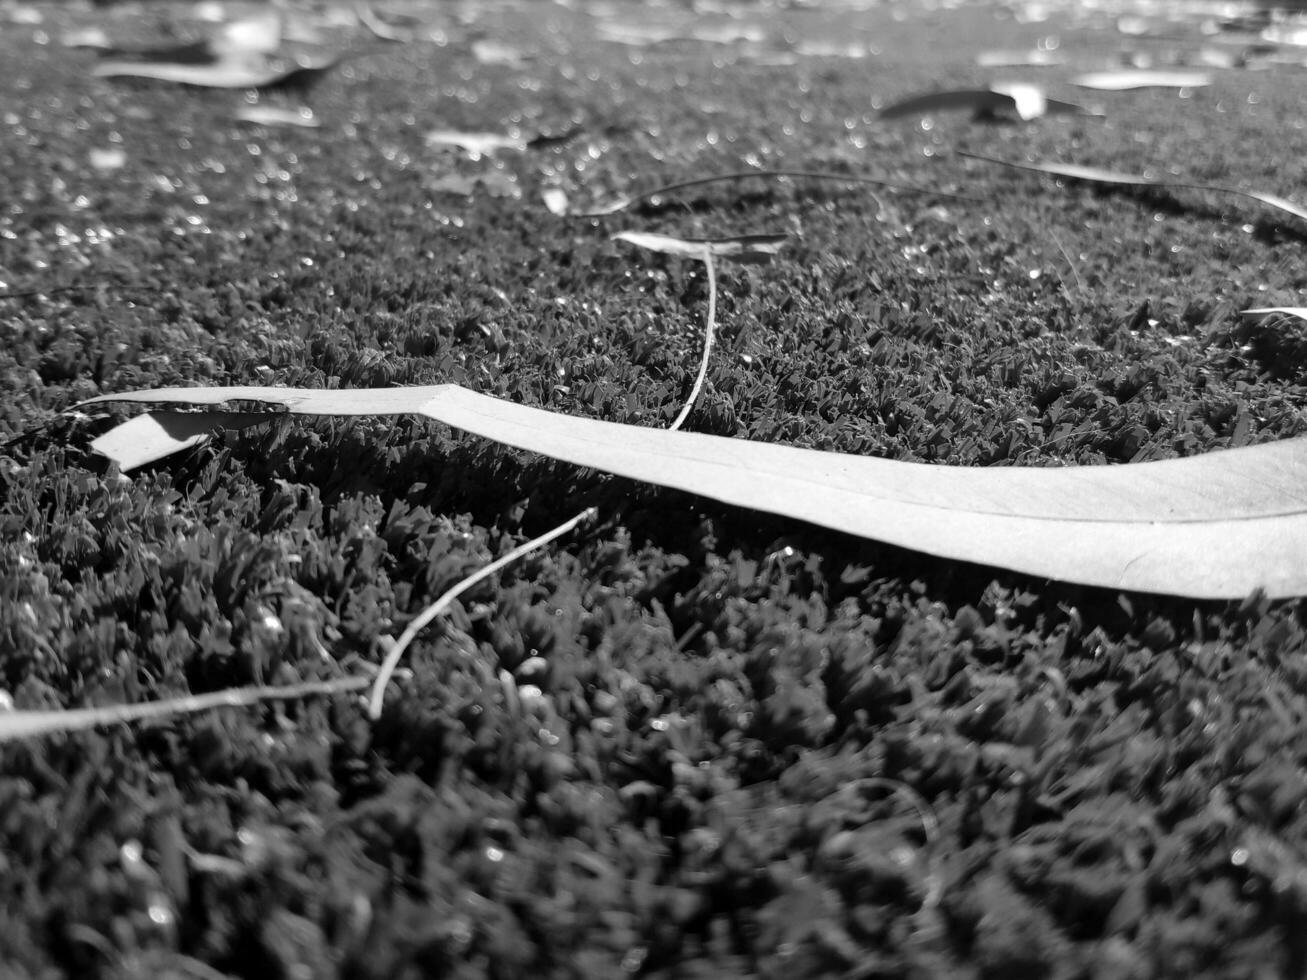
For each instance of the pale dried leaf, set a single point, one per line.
(1219, 525)
(16, 725)
(262, 114)
(243, 72)
(1101, 176)
(555, 200)
(258, 34)
(751, 249)
(1294, 312)
(1119, 81)
(984, 101)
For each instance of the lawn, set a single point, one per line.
(687, 739)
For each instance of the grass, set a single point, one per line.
(667, 745)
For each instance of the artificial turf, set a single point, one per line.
(691, 740)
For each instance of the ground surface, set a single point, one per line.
(691, 741)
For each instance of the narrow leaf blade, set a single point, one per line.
(1218, 525)
(16, 725)
(753, 249)
(1120, 81)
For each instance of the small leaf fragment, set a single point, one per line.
(16, 725)
(555, 200)
(262, 114)
(749, 249)
(156, 435)
(1133, 78)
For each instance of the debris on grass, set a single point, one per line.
(256, 72)
(16, 725)
(475, 145)
(1098, 175)
(494, 182)
(1147, 527)
(263, 114)
(488, 51)
(156, 435)
(1032, 58)
(1020, 99)
(1134, 78)
(1293, 312)
(746, 249)
(420, 622)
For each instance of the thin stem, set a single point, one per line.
(707, 340)
(1080, 283)
(32, 724)
(743, 174)
(445, 601)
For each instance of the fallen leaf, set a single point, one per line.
(555, 200)
(15, 725)
(379, 28)
(1214, 57)
(496, 183)
(1027, 101)
(23, 14)
(1218, 525)
(107, 158)
(831, 49)
(252, 72)
(261, 114)
(1293, 35)
(1118, 81)
(727, 33)
(155, 435)
(476, 145)
(1098, 175)
(749, 249)
(1034, 58)
(259, 34)
(489, 52)
(1134, 26)
(1296, 312)
(87, 37)
(636, 35)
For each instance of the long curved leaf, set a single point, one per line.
(251, 72)
(1218, 525)
(1100, 176)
